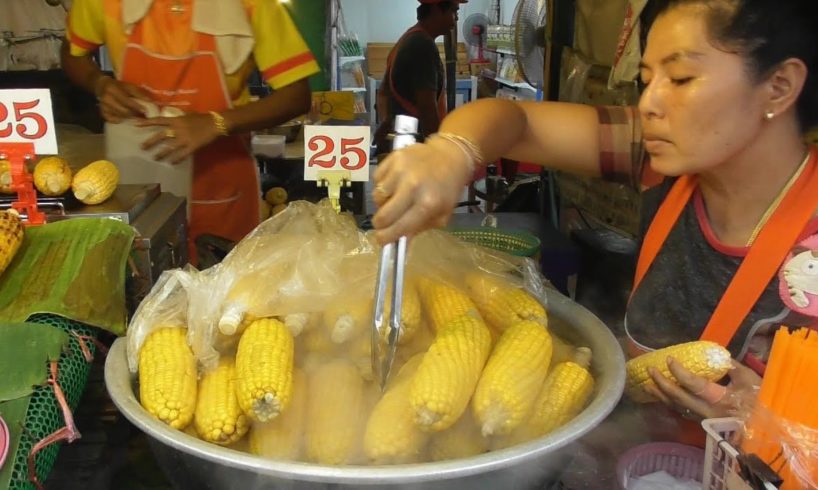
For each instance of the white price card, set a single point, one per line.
(336, 148)
(26, 117)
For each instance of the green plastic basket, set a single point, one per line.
(517, 243)
(44, 415)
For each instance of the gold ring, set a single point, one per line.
(169, 133)
(380, 189)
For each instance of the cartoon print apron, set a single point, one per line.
(771, 249)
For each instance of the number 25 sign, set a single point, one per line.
(336, 148)
(26, 117)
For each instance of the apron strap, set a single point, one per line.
(763, 260)
(766, 255)
(410, 107)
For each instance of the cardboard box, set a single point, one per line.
(377, 54)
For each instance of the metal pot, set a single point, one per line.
(193, 464)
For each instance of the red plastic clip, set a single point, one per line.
(21, 181)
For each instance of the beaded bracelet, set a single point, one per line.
(471, 150)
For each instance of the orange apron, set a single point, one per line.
(225, 193)
(409, 106)
(757, 269)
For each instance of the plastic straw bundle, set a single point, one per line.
(783, 429)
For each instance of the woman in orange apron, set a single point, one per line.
(731, 251)
(174, 53)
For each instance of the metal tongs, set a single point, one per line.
(391, 265)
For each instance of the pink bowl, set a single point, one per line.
(679, 460)
(4, 441)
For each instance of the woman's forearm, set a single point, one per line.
(556, 135)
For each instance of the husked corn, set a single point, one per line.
(442, 302)
(391, 436)
(703, 358)
(282, 437)
(501, 303)
(462, 440)
(512, 378)
(264, 365)
(335, 417)
(446, 378)
(167, 376)
(219, 418)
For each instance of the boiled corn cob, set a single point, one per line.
(281, 438)
(95, 182)
(446, 378)
(501, 303)
(264, 365)
(335, 415)
(443, 303)
(167, 376)
(703, 358)
(345, 319)
(564, 394)
(461, 440)
(52, 176)
(391, 436)
(5, 177)
(11, 237)
(410, 315)
(296, 323)
(219, 419)
(512, 378)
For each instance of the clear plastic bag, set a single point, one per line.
(299, 266)
(165, 306)
(789, 448)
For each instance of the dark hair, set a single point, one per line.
(425, 9)
(765, 33)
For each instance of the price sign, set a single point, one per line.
(336, 148)
(26, 117)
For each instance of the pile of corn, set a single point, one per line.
(477, 369)
(93, 184)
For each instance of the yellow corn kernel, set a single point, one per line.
(52, 176)
(446, 378)
(281, 438)
(219, 418)
(95, 182)
(11, 237)
(264, 365)
(461, 440)
(335, 415)
(391, 436)
(5, 177)
(703, 358)
(564, 394)
(345, 319)
(410, 315)
(501, 303)
(512, 378)
(167, 376)
(443, 303)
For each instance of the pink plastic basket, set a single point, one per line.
(5, 441)
(679, 460)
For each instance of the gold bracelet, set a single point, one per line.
(468, 147)
(219, 122)
(98, 84)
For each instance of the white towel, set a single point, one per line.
(225, 19)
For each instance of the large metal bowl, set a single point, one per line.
(193, 464)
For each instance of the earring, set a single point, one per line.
(769, 115)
